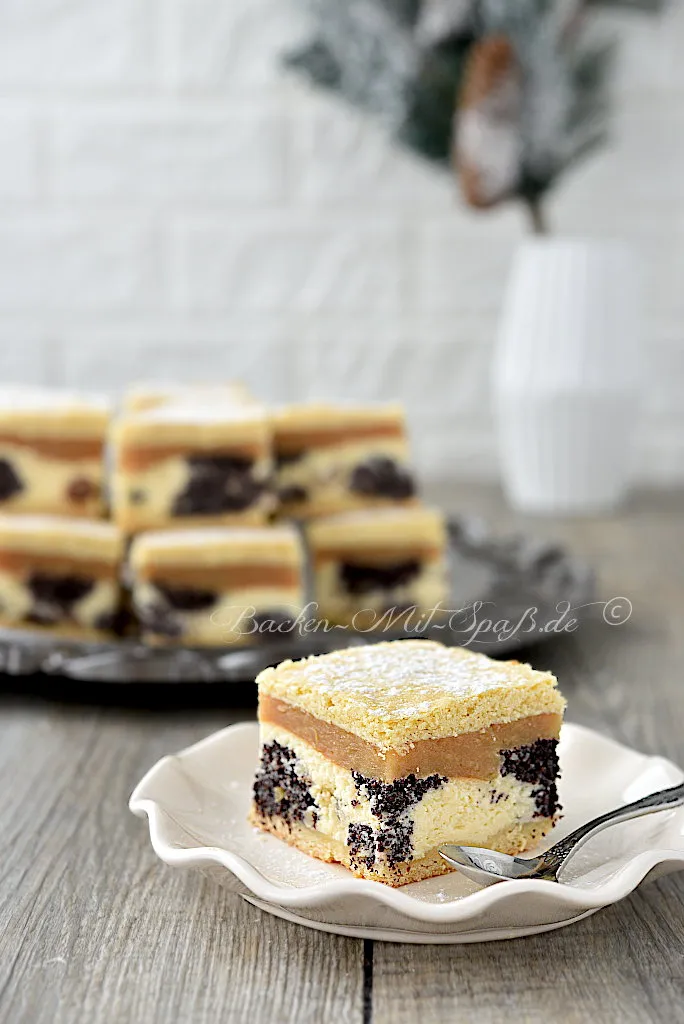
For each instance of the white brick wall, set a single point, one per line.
(290, 260)
(77, 263)
(173, 205)
(19, 145)
(168, 153)
(88, 45)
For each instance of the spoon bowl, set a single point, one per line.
(488, 866)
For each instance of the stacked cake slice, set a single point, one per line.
(60, 575)
(51, 451)
(216, 586)
(333, 457)
(375, 756)
(374, 568)
(183, 460)
(191, 464)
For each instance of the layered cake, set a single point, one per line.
(333, 458)
(140, 397)
(216, 586)
(191, 464)
(61, 575)
(51, 451)
(375, 756)
(374, 568)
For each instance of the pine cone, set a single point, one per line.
(487, 148)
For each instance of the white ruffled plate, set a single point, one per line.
(197, 802)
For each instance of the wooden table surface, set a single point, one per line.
(93, 928)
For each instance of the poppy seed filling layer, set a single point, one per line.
(282, 789)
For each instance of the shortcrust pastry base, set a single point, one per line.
(513, 841)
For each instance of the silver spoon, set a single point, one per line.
(488, 866)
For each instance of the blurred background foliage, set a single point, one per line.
(427, 69)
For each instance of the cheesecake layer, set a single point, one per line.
(60, 602)
(356, 857)
(33, 483)
(380, 598)
(469, 755)
(349, 476)
(391, 831)
(182, 491)
(214, 618)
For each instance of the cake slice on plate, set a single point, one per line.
(375, 756)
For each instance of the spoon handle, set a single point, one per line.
(664, 798)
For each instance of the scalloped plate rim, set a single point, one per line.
(386, 934)
(465, 908)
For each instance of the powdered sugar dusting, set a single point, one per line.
(175, 389)
(408, 678)
(327, 414)
(19, 398)
(201, 411)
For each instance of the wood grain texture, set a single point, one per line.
(625, 964)
(94, 929)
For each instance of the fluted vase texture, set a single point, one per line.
(568, 375)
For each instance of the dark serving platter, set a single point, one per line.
(507, 593)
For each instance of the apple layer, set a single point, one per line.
(469, 755)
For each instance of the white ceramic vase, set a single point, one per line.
(568, 375)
